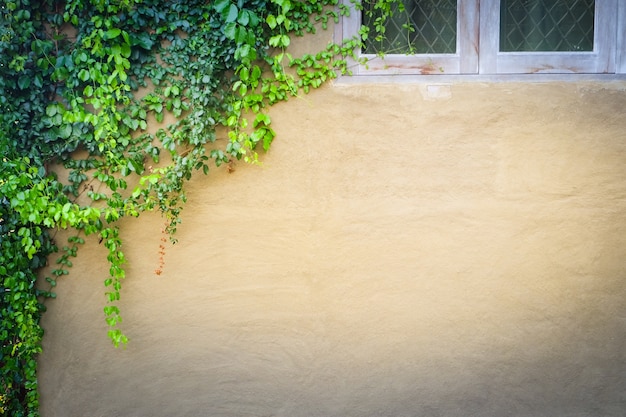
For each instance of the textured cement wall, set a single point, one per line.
(397, 254)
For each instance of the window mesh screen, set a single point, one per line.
(433, 26)
(546, 25)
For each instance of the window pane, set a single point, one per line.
(416, 26)
(546, 25)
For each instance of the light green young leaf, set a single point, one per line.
(113, 33)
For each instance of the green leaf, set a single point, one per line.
(262, 118)
(112, 33)
(268, 137)
(244, 73)
(241, 35)
(256, 72)
(232, 14)
(126, 50)
(243, 18)
(38, 81)
(221, 5)
(142, 40)
(229, 30)
(271, 21)
(83, 75)
(24, 82)
(254, 18)
(65, 131)
(51, 110)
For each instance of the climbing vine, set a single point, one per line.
(85, 88)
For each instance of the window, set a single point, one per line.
(493, 37)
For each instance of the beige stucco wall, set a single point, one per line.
(403, 251)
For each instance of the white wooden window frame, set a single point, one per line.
(478, 49)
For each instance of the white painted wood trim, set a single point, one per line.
(478, 35)
(468, 35)
(489, 44)
(601, 60)
(347, 28)
(464, 61)
(620, 41)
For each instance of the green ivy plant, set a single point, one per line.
(85, 85)
(70, 77)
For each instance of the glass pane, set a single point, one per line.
(546, 25)
(416, 26)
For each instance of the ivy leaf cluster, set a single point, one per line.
(85, 86)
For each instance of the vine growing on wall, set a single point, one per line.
(70, 80)
(85, 87)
